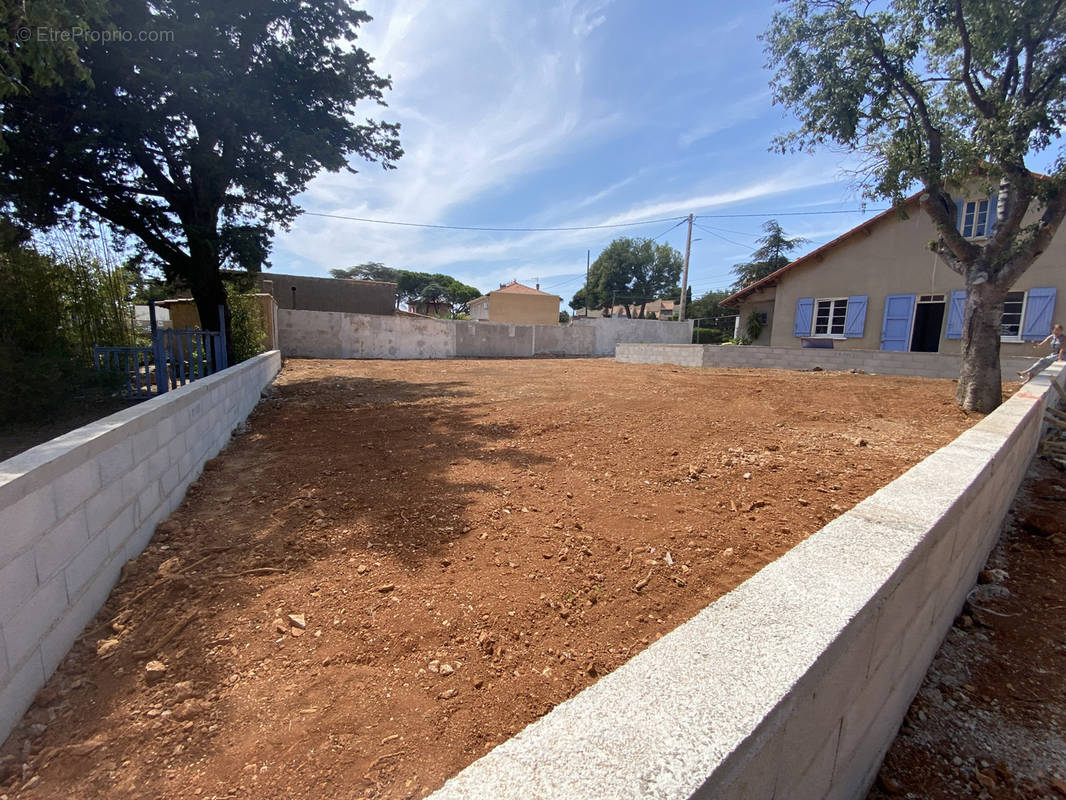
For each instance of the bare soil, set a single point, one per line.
(990, 718)
(463, 545)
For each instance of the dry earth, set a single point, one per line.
(401, 564)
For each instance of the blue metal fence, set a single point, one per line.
(131, 366)
(176, 357)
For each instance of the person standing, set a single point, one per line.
(1058, 353)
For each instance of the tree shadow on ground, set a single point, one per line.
(326, 467)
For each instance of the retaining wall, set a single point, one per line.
(326, 334)
(880, 362)
(794, 684)
(75, 509)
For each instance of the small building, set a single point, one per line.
(880, 287)
(430, 308)
(305, 293)
(662, 309)
(517, 304)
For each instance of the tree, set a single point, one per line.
(939, 93)
(710, 315)
(414, 287)
(632, 272)
(579, 300)
(564, 317)
(367, 271)
(195, 134)
(31, 54)
(772, 254)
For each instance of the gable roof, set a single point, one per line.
(514, 287)
(817, 253)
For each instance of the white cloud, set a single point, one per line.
(743, 110)
(486, 92)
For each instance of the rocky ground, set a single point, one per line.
(398, 565)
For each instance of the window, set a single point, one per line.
(830, 316)
(1010, 327)
(975, 219)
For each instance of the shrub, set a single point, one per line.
(246, 325)
(52, 311)
(708, 336)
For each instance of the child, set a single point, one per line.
(1058, 346)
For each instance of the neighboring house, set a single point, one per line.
(431, 308)
(662, 309)
(181, 314)
(518, 304)
(329, 294)
(880, 287)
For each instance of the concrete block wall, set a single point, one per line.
(73, 511)
(326, 334)
(612, 331)
(925, 365)
(794, 684)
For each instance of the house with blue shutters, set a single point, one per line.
(880, 287)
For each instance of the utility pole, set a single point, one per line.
(684, 275)
(588, 261)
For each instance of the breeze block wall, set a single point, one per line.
(879, 362)
(794, 684)
(322, 334)
(75, 509)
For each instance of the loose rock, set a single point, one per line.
(154, 671)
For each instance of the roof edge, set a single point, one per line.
(771, 279)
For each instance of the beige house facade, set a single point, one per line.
(516, 304)
(880, 287)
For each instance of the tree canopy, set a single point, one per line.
(630, 272)
(413, 287)
(31, 55)
(942, 94)
(195, 133)
(771, 255)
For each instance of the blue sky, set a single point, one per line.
(571, 113)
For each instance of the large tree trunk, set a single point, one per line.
(208, 291)
(980, 382)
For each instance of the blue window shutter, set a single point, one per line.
(804, 316)
(956, 312)
(1039, 311)
(855, 321)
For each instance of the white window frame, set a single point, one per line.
(976, 203)
(1021, 318)
(833, 301)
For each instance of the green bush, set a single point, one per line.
(246, 325)
(708, 336)
(52, 311)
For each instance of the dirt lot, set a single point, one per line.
(463, 545)
(990, 719)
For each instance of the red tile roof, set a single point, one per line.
(514, 287)
(772, 278)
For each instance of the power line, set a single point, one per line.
(491, 229)
(679, 220)
(718, 235)
(679, 224)
(793, 213)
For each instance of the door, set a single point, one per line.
(896, 330)
(928, 322)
